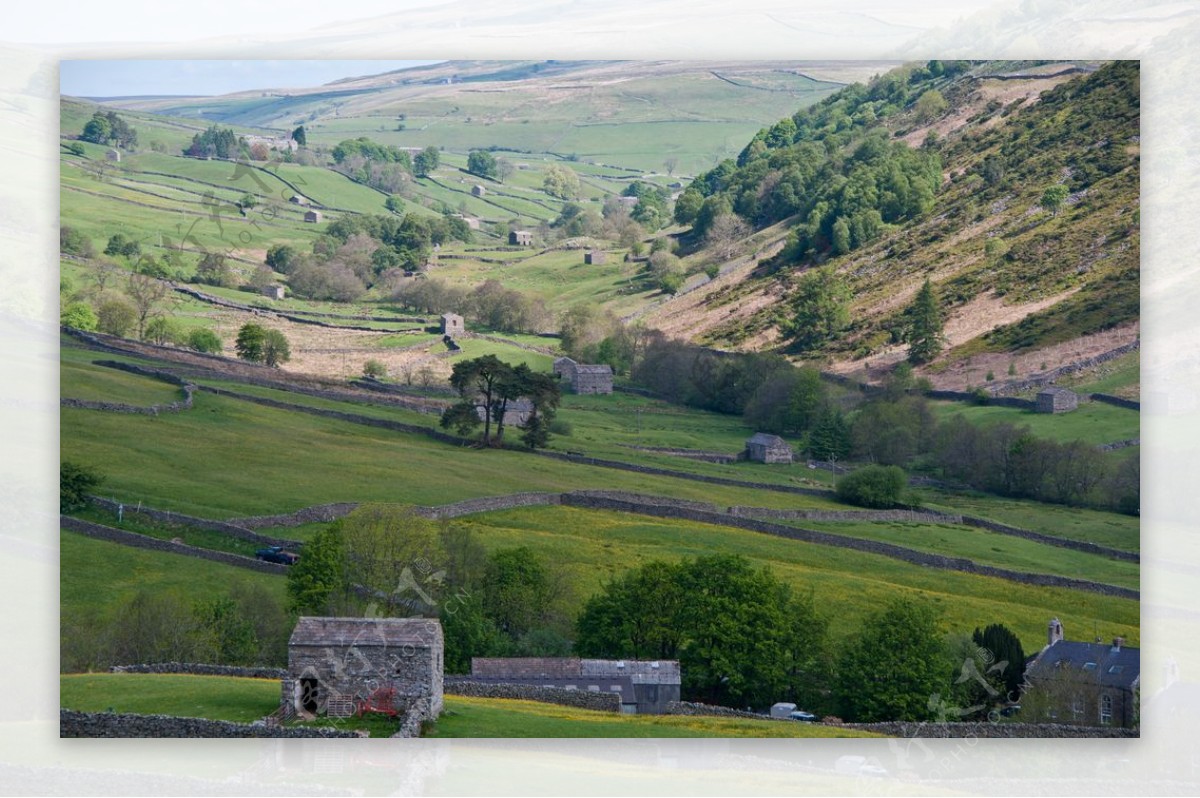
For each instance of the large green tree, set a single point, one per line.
(426, 161)
(923, 328)
(895, 668)
(820, 308)
(482, 163)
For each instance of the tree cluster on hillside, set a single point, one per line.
(259, 344)
(105, 127)
(381, 166)
(217, 142)
(744, 638)
(387, 561)
(359, 251)
(488, 305)
(242, 625)
(487, 385)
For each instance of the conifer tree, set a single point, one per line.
(925, 336)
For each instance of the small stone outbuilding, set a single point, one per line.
(113, 155)
(765, 448)
(452, 324)
(1057, 400)
(644, 687)
(334, 663)
(478, 190)
(595, 256)
(274, 292)
(583, 378)
(520, 238)
(312, 217)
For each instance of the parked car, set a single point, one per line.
(277, 554)
(802, 716)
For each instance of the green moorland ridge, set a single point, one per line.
(937, 172)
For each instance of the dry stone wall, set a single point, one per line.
(582, 699)
(202, 669)
(985, 729)
(1116, 401)
(112, 724)
(166, 516)
(151, 410)
(101, 532)
(1049, 377)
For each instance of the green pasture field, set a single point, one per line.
(97, 576)
(593, 547)
(988, 548)
(502, 717)
(232, 698)
(82, 380)
(1113, 530)
(209, 539)
(1093, 422)
(477, 347)
(259, 460)
(1119, 377)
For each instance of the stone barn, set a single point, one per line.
(516, 412)
(1057, 400)
(312, 217)
(764, 448)
(564, 368)
(113, 155)
(645, 687)
(595, 256)
(592, 379)
(520, 238)
(296, 199)
(452, 324)
(478, 190)
(334, 663)
(274, 292)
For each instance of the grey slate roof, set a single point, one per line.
(601, 369)
(1111, 666)
(1054, 390)
(765, 439)
(574, 668)
(343, 632)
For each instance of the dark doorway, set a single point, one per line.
(308, 695)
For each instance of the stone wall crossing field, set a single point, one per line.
(582, 699)
(113, 724)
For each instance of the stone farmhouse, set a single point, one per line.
(520, 238)
(584, 379)
(335, 663)
(1057, 400)
(765, 448)
(1093, 684)
(645, 687)
(452, 324)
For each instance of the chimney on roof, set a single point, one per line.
(1117, 643)
(1054, 632)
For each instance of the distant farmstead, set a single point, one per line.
(644, 687)
(520, 238)
(1057, 400)
(312, 217)
(336, 665)
(765, 448)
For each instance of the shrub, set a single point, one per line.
(80, 316)
(373, 368)
(561, 427)
(204, 340)
(873, 486)
(75, 483)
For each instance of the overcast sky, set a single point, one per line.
(125, 78)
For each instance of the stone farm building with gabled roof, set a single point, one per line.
(583, 378)
(334, 663)
(312, 217)
(1093, 684)
(645, 687)
(520, 238)
(765, 448)
(452, 324)
(1057, 400)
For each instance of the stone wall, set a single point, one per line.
(112, 724)
(102, 532)
(843, 541)
(1048, 378)
(1125, 444)
(582, 699)
(168, 517)
(1117, 401)
(1078, 545)
(151, 410)
(318, 513)
(996, 401)
(692, 708)
(490, 504)
(887, 516)
(985, 729)
(202, 669)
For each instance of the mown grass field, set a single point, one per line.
(593, 547)
(501, 717)
(242, 700)
(230, 698)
